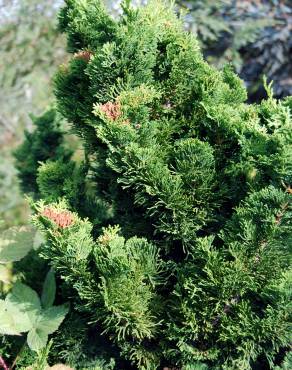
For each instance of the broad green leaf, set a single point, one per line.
(15, 243)
(7, 326)
(49, 290)
(12, 320)
(22, 319)
(36, 339)
(25, 297)
(48, 322)
(52, 318)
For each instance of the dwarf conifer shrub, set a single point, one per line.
(181, 256)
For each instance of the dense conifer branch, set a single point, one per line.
(196, 273)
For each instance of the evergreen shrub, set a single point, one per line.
(172, 238)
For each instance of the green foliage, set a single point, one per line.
(286, 364)
(31, 49)
(196, 274)
(49, 290)
(79, 346)
(22, 311)
(234, 26)
(44, 143)
(95, 29)
(47, 170)
(253, 36)
(15, 243)
(51, 178)
(12, 206)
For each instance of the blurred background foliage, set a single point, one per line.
(31, 49)
(253, 35)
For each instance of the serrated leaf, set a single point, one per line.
(37, 339)
(15, 243)
(22, 320)
(12, 320)
(52, 318)
(47, 323)
(6, 321)
(24, 297)
(49, 290)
